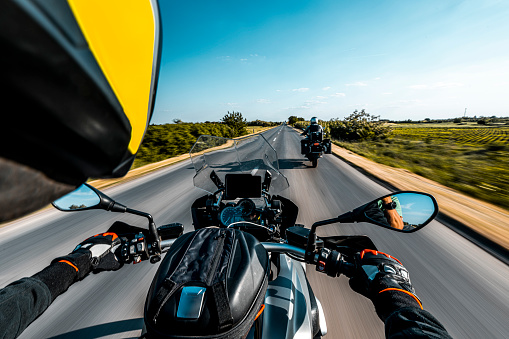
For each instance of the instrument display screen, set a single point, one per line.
(243, 186)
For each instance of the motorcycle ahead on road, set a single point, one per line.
(242, 272)
(313, 147)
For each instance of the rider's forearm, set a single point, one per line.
(63, 271)
(394, 219)
(21, 303)
(413, 322)
(57, 277)
(24, 300)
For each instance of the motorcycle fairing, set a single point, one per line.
(288, 299)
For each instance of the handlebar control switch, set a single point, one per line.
(329, 262)
(134, 249)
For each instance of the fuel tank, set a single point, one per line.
(291, 309)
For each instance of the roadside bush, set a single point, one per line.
(164, 141)
(237, 124)
(359, 126)
(301, 124)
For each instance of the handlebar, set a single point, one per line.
(330, 262)
(140, 244)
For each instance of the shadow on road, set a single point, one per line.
(103, 329)
(292, 163)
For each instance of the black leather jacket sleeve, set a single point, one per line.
(412, 322)
(24, 300)
(21, 303)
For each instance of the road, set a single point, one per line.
(463, 286)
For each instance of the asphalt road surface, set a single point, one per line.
(463, 286)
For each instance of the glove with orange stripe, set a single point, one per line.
(96, 254)
(383, 279)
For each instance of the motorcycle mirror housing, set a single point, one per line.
(404, 211)
(86, 197)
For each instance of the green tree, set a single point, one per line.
(359, 126)
(292, 120)
(484, 121)
(236, 123)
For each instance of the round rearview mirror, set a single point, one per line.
(403, 211)
(82, 198)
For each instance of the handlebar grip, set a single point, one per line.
(170, 231)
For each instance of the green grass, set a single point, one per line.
(472, 136)
(474, 161)
(466, 124)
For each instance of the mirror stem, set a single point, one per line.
(151, 225)
(116, 207)
(311, 244)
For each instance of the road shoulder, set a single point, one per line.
(485, 224)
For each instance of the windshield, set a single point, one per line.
(248, 155)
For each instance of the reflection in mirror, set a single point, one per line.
(81, 198)
(402, 211)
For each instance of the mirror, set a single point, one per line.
(81, 198)
(402, 211)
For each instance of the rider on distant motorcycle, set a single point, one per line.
(75, 127)
(314, 131)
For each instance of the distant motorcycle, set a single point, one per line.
(242, 272)
(313, 147)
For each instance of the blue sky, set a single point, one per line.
(273, 59)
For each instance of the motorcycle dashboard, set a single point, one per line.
(243, 210)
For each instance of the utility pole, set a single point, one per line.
(465, 114)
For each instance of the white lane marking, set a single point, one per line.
(274, 139)
(254, 171)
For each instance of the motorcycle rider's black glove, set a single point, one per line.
(94, 254)
(383, 279)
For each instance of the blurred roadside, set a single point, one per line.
(483, 223)
(486, 219)
(140, 171)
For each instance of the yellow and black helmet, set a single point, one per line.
(79, 79)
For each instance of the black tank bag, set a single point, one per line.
(211, 284)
